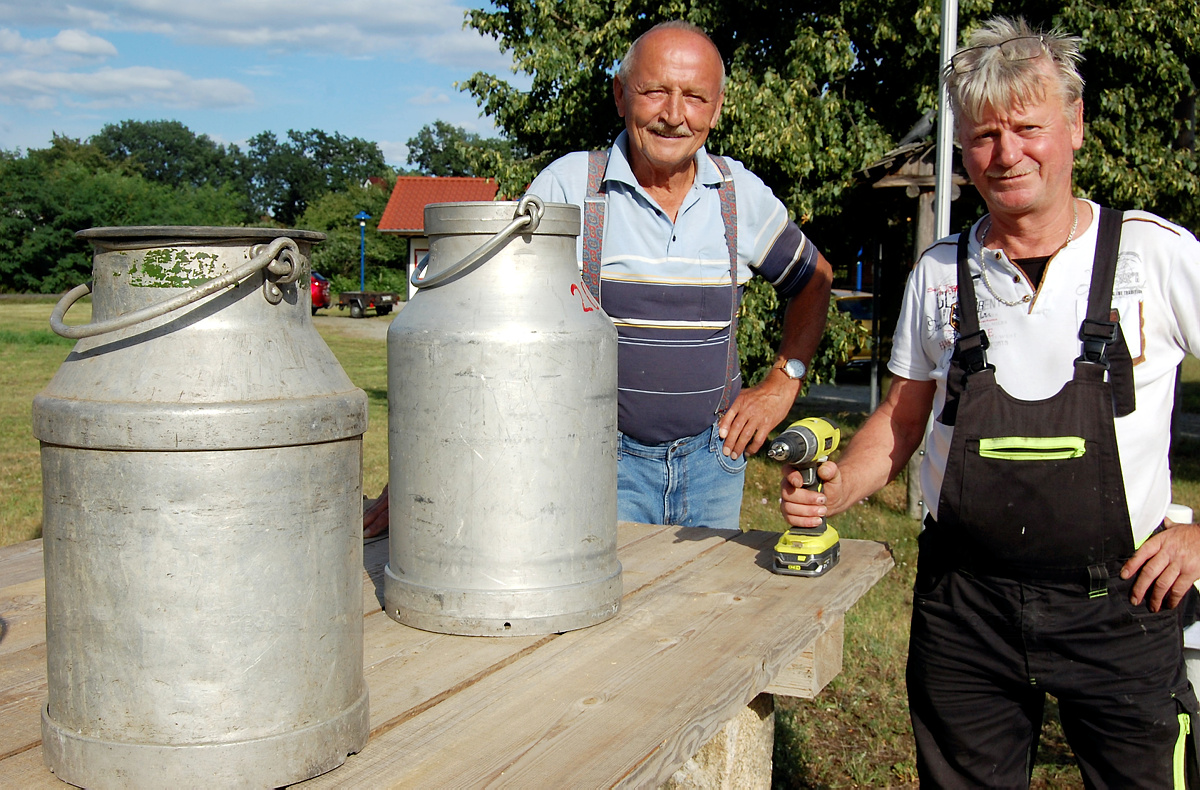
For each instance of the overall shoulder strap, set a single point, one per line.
(593, 221)
(970, 349)
(726, 194)
(1102, 340)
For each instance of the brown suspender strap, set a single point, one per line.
(594, 203)
(729, 219)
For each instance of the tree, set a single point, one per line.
(49, 194)
(170, 153)
(334, 214)
(818, 90)
(1141, 71)
(444, 150)
(286, 176)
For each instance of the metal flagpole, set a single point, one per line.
(945, 128)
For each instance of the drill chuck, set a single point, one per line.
(805, 441)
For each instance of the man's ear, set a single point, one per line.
(619, 95)
(1076, 115)
(717, 114)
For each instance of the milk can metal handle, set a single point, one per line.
(527, 217)
(281, 258)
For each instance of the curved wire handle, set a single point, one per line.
(281, 257)
(528, 216)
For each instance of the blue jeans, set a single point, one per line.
(688, 482)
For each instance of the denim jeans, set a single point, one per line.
(688, 482)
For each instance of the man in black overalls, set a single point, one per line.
(1044, 340)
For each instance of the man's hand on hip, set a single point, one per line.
(1169, 564)
(756, 412)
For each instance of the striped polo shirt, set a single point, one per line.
(666, 285)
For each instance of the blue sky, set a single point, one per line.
(376, 69)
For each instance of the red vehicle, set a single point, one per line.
(320, 292)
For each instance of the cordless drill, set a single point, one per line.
(806, 444)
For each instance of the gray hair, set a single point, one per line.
(981, 75)
(674, 24)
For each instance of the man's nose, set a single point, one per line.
(1008, 149)
(673, 109)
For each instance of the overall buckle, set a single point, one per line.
(970, 351)
(1097, 336)
(1097, 581)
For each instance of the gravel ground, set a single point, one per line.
(339, 321)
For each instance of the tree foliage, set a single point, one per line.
(286, 176)
(440, 149)
(334, 214)
(49, 194)
(170, 153)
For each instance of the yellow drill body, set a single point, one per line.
(805, 445)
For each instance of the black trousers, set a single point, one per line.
(985, 651)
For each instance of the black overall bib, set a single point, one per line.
(1018, 592)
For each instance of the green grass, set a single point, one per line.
(855, 734)
(29, 355)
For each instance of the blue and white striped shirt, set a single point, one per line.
(665, 284)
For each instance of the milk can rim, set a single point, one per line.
(188, 232)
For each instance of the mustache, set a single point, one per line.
(668, 130)
(1014, 172)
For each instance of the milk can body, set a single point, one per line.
(502, 435)
(202, 511)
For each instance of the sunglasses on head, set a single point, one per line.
(1013, 50)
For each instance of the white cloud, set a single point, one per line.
(405, 29)
(67, 42)
(119, 88)
(78, 42)
(394, 153)
(429, 97)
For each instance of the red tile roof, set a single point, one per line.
(405, 212)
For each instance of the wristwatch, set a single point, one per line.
(792, 368)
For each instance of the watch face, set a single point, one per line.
(794, 368)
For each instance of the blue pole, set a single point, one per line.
(362, 218)
(362, 255)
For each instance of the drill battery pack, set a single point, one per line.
(807, 553)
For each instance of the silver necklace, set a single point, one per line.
(987, 228)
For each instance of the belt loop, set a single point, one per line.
(1097, 581)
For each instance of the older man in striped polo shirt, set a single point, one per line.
(671, 237)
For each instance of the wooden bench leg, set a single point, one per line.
(814, 668)
(738, 757)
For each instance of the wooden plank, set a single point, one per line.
(27, 771)
(649, 555)
(816, 665)
(22, 616)
(22, 651)
(627, 701)
(21, 562)
(21, 711)
(408, 670)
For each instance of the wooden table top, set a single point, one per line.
(704, 627)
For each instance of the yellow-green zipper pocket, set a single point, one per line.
(1032, 448)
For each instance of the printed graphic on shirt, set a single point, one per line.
(1129, 287)
(941, 323)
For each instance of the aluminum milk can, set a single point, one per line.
(202, 492)
(502, 415)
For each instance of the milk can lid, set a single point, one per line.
(141, 233)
